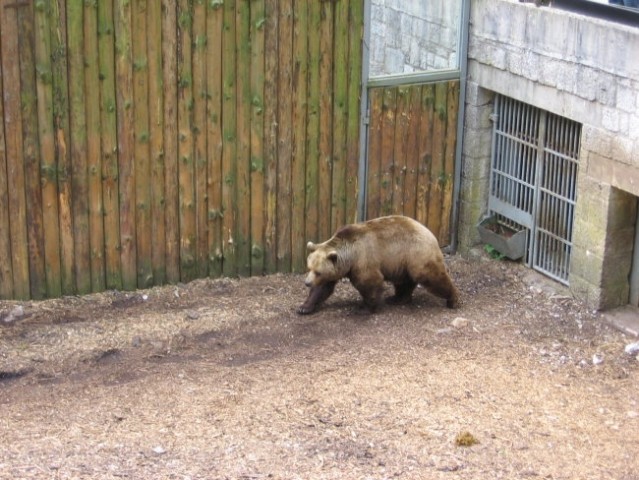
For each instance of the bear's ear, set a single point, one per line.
(311, 247)
(332, 256)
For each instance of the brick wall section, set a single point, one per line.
(581, 68)
(412, 36)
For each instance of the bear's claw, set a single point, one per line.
(304, 310)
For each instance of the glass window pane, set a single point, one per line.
(414, 36)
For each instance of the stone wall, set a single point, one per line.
(582, 68)
(413, 36)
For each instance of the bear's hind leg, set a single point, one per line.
(403, 292)
(316, 296)
(441, 285)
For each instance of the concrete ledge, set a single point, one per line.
(625, 319)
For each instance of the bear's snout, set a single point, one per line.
(308, 281)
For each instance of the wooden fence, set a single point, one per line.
(147, 142)
(411, 153)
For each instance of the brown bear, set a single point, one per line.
(395, 248)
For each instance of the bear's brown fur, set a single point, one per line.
(395, 248)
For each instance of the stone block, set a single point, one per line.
(470, 213)
(585, 291)
(622, 176)
(475, 168)
(616, 268)
(622, 210)
(587, 265)
(477, 143)
(492, 19)
(589, 238)
(596, 140)
(475, 190)
(588, 44)
(614, 295)
(623, 149)
(490, 54)
(478, 117)
(477, 96)
(627, 98)
(552, 35)
(593, 198)
(377, 12)
(550, 71)
(610, 119)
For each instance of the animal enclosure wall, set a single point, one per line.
(147, 142)
(411, 153)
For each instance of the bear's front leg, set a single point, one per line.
(370, 288)
(316, 296)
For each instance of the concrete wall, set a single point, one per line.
(413, 36)
(582, 68)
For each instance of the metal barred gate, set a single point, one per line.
(533, 181)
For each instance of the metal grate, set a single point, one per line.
(533, 181)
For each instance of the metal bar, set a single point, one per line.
(493, 149)
(399, 80)
(462, 60)
(634, 273)
(362, 171)
(538, 179)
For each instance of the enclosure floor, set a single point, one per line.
(221, 379)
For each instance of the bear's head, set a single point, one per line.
(323, 264)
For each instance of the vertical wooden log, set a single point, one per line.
(170, 137)
(373, 176)
(156, 147)
(399, 151)
(326, 120)
(93, 135)
(144, 241)
(340, 114)
(257, 35)
(412, 151)
(214, 20)
(229, 135)
(242, 227)
(315, 92)
(6, 272)
(299, 155)
(186, 167)
(14, 153)
(59, 66)
(126, 143)
(31, 152)
(109, 147)
(271, 74)
(199, 136)
(78, 126)
(285, 135)
(452, 107)
(387, 166)
(355, 33)
(425, 153)
(437, 176)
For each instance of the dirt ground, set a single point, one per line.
(222, 379)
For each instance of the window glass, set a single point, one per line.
(415, 36)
